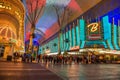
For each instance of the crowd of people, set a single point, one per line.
(77, 59)
(26, 57)
(64, 59)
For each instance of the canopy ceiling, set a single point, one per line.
(46, 23)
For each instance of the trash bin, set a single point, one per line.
(9, 58)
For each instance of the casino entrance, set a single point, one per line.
(2, 48)
(11, 27)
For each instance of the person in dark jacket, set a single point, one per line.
(38, 57)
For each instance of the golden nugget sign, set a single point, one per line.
(93, 31)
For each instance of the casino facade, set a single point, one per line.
(11, 27)
(97, 29)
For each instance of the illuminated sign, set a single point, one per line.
(74, 48)
(47, 51)
(93, 31)
(94, 27)
(92, 46)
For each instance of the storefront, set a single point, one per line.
(11, 27)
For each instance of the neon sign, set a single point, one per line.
(93, 31)
(94, 27)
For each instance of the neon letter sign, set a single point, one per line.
(94, 27)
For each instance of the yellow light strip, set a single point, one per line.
(12, 32)
(0, 6)
(3, 27)
(3, 6)
(6, 31)
(15, 35)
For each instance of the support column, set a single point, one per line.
(31, 37)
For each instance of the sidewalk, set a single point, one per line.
(26, 71)
(5, 60)
(2, 59)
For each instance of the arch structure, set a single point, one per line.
(12, 13)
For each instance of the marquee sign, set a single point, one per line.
(93, 31)
(47, 51)
(75, 48)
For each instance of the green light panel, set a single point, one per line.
(82, 33)
(77, 36)
(107, 31)
(64, 44)
(119, 36)
(67, 37)
(61, 42)
(73, 39)
(115, 37)
(69, 32)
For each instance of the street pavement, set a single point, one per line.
(25, 71)
(34, 71)
(87, 71)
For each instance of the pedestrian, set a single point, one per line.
(38, 58)
(15, 56)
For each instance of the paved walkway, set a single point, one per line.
(25, 71)
(87, 71)
(34, 71)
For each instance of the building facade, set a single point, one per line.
(92, 29)
(12, 15)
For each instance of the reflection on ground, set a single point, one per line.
(25, 71)
(87, 71)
